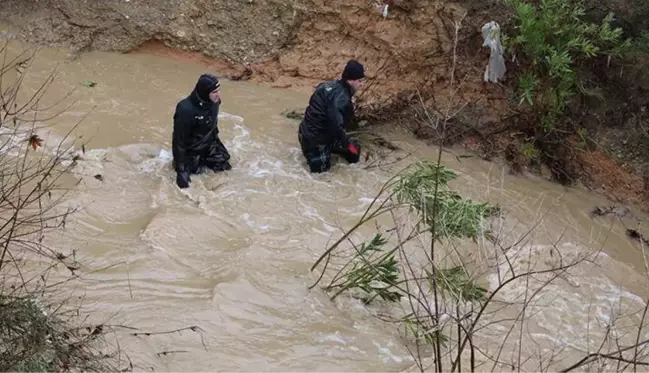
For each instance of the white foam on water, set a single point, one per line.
(366, 201)
(240, 143)
(256, 168)
(356, 349)
(154, 165)
(388, 355)
(165, 155)
(573, 309)
(14, 142)
(336, 337)
(252, 224)
(228, 116)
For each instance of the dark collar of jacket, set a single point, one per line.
(200, 103)
(346, 86)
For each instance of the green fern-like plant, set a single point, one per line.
(456, 283)
(373, 271)
(445, 212)
(424, 330)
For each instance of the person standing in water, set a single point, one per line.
(322, 131)
(195, 140)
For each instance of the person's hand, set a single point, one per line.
(183, 179)
(352, 148)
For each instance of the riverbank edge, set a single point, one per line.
(602, 174)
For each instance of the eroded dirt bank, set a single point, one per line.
(259, 39)
(295, 43)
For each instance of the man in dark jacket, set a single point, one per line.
(196, 144)
(322, 131)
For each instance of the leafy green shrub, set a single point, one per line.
(641, 44)
(554, 40)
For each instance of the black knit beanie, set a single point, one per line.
(206, 84)
(353, 70)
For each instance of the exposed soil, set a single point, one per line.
(297, 43)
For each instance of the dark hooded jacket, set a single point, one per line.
(328, 114)
(195, 130)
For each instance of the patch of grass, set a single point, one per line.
(32, 339)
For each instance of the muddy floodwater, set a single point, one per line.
(231, 254)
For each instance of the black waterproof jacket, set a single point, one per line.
(195, 130)
(328, 114)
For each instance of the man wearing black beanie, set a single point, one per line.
(322, 131)
(195, 140)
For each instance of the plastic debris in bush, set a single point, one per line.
(383, 8)
(496, 66)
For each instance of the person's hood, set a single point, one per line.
(206, 84)
(196, 100)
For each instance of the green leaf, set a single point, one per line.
(456, 283)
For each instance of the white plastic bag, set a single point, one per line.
(496, 66)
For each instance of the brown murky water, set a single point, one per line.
(231, 254)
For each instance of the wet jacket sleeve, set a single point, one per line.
(181, 137)
(336, 118)
(215, 133)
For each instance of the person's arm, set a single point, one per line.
(181, 142)
(336, 109)
(216, 119)
(336, 122)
